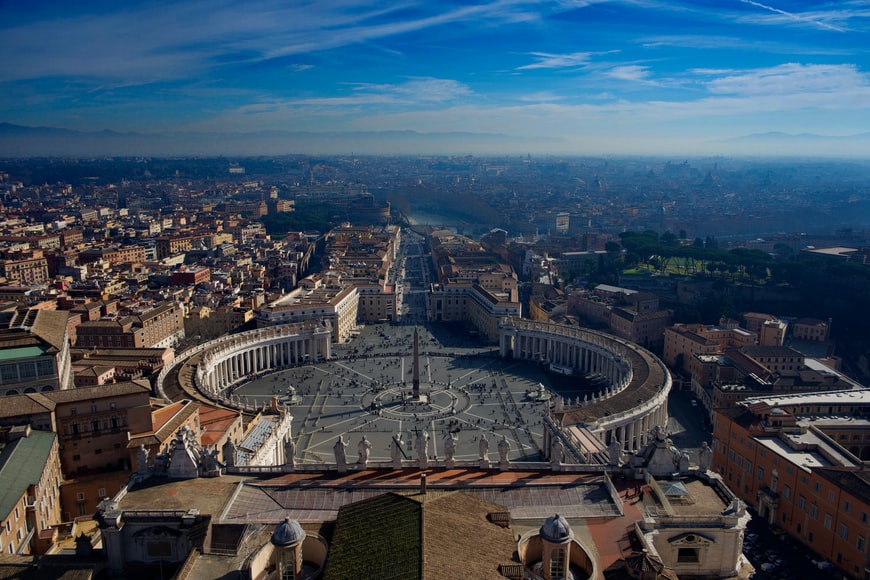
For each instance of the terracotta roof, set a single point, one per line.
(99, 392)
(640, 565)
(165, 423)
(50, 326)
(23, 405)
(436, 535)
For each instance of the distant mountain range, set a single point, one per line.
(810, 144)
(22, 141)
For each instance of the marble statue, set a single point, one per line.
(422, 445)
(483, 448)
(449, 446)
(705, 457)
(396, 450)
(504, 447)
(290, 452)
(363, 449)
(340, 451)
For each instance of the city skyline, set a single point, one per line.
(493, 77)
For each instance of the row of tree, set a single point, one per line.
(668, 253)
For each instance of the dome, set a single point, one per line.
(556, 529)
(287, 533)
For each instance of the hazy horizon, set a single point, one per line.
(504, 76)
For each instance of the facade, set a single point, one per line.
(25, 269)
(189, 276)
(157, 327)
(379, 521)
(682, 341)
(470, 303)
(338, 305)
(30, 480)
(376, 304)
(812, 329)
(34, 353)
(113, 255)
(797, 460)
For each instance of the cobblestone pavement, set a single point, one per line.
(364, 391)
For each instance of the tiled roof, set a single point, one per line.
(21, 465)
(23, 405)
(436, 535)
(100, 391)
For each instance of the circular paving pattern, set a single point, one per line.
(365, 390)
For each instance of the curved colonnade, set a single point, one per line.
(627, 409)
(231, 360)
(632, 403)
(220, 364)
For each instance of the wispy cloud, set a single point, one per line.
(547, 60)
(631, 72)
(715, 42)
(789, 79)
(812, 19)
(416, 91)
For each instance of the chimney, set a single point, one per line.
(423, 483)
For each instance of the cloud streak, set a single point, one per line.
(815, 21)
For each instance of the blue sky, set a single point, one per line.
(566, 76)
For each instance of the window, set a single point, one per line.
(843, 531)
(802, 502)
(786, 492)
(558, 566)
(860, 543)
(77, 457)
(847, 506)
(828, 521)
(80, 496)
(759, 474)
(814, 511)
(748, 466)
(831, 496)
(688, 555)
(101, 492)
(817, 487)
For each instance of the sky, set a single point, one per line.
(560, 77)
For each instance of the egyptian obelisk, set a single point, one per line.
(415, 394)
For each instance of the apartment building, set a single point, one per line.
(147, 327)
(34, 353)
(334, 303)
(682, 341)
(798, 460)
(30, 482)
(470, 303)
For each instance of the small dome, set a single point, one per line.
(287, 533)
(556, 529)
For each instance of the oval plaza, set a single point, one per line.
(624, 399)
